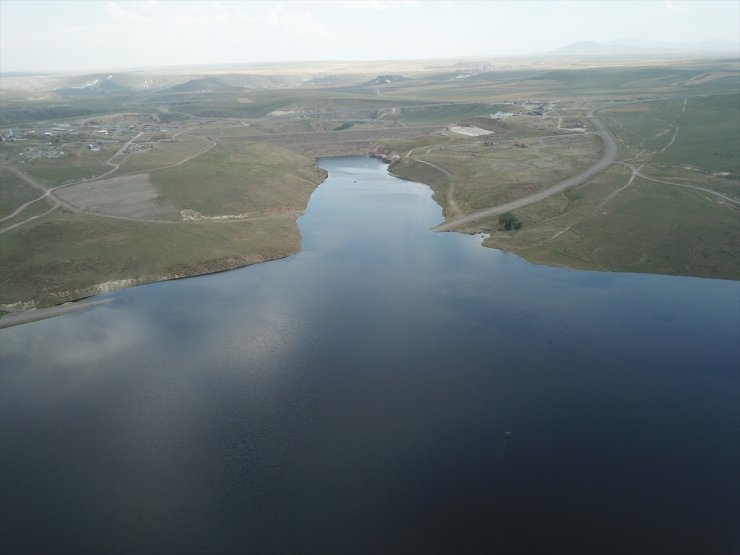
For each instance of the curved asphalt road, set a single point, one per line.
(606, 159)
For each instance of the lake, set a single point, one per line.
(354, 398)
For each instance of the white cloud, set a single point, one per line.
(117, 12)
(304, 21)
(211, 18)
(366, 5)
(71, 34)
(673, 7)
(166, 33)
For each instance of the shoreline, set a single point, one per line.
(24, 315)
(78, 299)
(35, 314)
(23, 312)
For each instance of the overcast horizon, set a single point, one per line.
(67, 36)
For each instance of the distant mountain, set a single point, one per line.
(582, 47)
(639, 46)
(9, 74)
(701, 46)
(236, 82)
(131, 82)
(115, 83)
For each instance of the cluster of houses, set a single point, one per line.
(9, 136)
(531, 108)
(44, 150)
(138, 146)
(49, 142)
(89, 129)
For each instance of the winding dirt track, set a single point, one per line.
(452, 182)
(36, 185)
(694, 187)
(57, 202)
(598, 167)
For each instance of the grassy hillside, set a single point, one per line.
(629, 232)
(239, 176)
(13, 192)
(65, 256)
(241, 164)
(646, 226)
(708, 135)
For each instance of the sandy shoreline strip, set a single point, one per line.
(49, 312)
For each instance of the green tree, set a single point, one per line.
(509, 221)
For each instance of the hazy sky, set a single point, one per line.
(61, 35)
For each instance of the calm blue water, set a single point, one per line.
(353, 399)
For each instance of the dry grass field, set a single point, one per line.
(226, 191)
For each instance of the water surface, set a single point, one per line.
(353, 399)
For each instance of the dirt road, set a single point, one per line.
(48, 192)
(48, 195)
(452, 182)
(598, 167)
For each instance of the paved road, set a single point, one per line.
(601, 165)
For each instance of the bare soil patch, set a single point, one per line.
(131, 196)
(469, 131)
